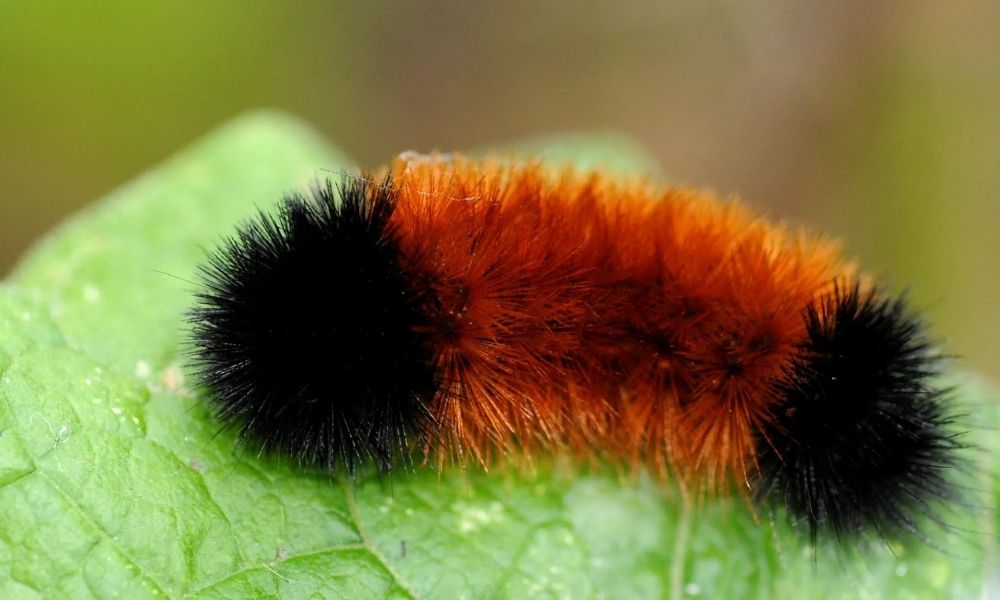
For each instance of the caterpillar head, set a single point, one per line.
(309, 335)
(860, 440)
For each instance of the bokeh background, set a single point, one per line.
(877, 122)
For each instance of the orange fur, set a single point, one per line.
(571, 311)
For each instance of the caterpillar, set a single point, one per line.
(462, 308)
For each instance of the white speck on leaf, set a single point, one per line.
(172, 378)
(471, 518)
(62, 436)
(142, 369)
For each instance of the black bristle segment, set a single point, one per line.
(862, 440)
(307, 331)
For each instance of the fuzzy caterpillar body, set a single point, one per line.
(468, 307)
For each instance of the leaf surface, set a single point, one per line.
(116, 480)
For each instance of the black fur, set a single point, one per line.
(307, 334)
(862, 441)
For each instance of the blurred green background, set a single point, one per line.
(876, 122)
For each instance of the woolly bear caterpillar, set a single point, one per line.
(464, 308)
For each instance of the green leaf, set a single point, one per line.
(115, 479)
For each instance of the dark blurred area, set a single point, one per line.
(876, 122)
